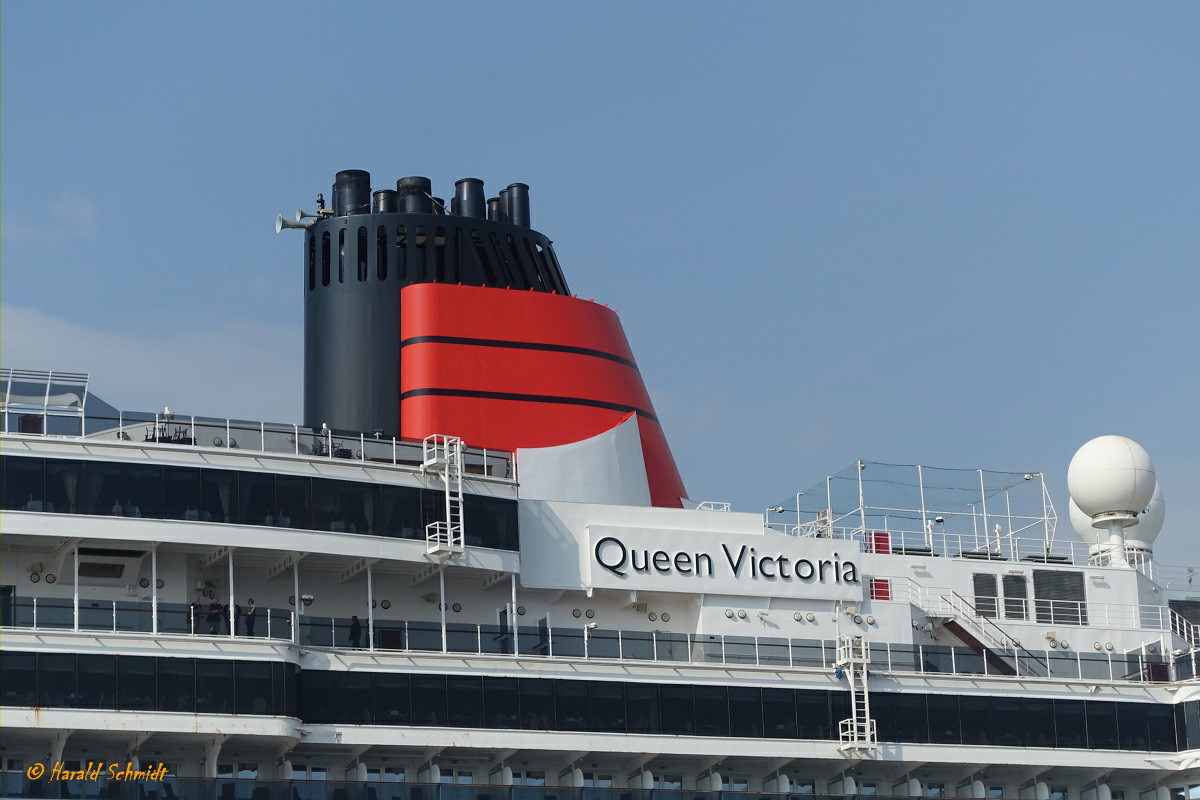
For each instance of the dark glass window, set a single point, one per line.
(328, 504)
(103, 492)
(362, 508)
(1161, 724)
(214, 687)
(24, 483)
(501, 703)
(18, 679)
(318, 699)
(491, 521)
(745, 711)
(608, 707)
(401, 512)
(181, 493)
(1132, 726)
(325, 255)
(58, 685)
(1070, 724)
(812, 713)
(779, 713)
(464, 701)
(537, 704)
(911, 718)
(65, 486)
(428, 700)
(218, 495)
(177, 684)
(1016, 594)
(136, 686)
(354, 700)
(641, 708)
(362, 253)
(381, 253)
(572, 705)
(1037, 722)
(144, 490)
(256, 498)
(97, 681)
(944, 727)
(252, 683)
(293, 506)
(676, 709)
(281, 693)
(1102, 725)
(712, 710)
(391, 699)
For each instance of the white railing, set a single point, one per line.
(268, 437)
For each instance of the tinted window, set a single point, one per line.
(712, 710)
(537, 704)
(97, 681)
(214, 687)
(24, 483)
(464, 706)
(391, 699)
(572, 706)
(745, 711)
(355, 704)
(428, 700)
(253, 687)
(677, 713)
(57, 680)
(501, 703)
(181, 493)
(176, 684)
(135, 683)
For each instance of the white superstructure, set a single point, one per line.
(436, 620)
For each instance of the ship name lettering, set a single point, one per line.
(616, 557)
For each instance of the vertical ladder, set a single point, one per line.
(857, 731)
(443, 456)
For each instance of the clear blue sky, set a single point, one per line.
(954, 234)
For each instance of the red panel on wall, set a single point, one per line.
(507, 369)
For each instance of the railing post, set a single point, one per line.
(654, 646)
(34, 612)
(114, 604)
(479, 640)
(756, 661)
(295, 629)
(723, 648)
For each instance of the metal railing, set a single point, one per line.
(17, 785)
(177, 430)
(138, 616)
(418, 636)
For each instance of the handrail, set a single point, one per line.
(428, 637)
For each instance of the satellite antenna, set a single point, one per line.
(1112, 481)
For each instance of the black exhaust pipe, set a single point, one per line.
(469, 194)
(352, 192)
(415, 195)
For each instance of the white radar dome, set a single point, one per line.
(1150, 522)
(1082, 524)
(1111, 475)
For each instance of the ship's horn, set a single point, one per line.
(281, 223)
(301, 215)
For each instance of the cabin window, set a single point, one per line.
(985, 594)
(1058, 597)
(1016, 594)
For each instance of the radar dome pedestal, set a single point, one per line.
(1112, 482)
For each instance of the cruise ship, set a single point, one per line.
(473, 572)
